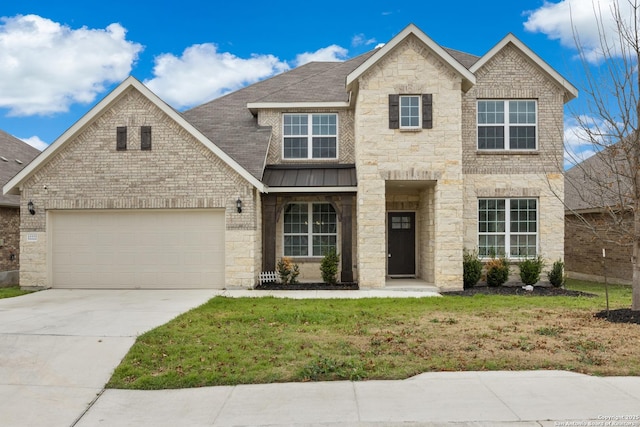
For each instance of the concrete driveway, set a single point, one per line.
(59, 347)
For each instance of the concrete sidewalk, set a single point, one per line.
(530, 398)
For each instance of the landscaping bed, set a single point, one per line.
(320, 286)
(518, 290)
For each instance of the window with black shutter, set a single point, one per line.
(145, 138)
(411, 111)
(121, 138)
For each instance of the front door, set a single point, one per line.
(401, 246)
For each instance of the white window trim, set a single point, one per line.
(507, 233)
(310, 234)
(419, 126)
(310, 137)
(507, 126)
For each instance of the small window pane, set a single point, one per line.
(295, 124)
(490, 112)
(491, 137)
(324, 218)
(324, 124)
(522, 112)
(410, 111)
(322, 244)
(522, 137)
(296, 245)
(324, 148)
(295, 148)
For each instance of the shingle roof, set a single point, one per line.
(599, 181)
(228, 123)
(14, 155)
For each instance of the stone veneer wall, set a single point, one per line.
(10, 236)
(426, 155)
(178, 173)
(537, 173)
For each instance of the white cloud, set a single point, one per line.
(561, 20)
(578, 145)
(45, 66)
(361, 40)
(36, 142)
(333, 53)
(202, 73)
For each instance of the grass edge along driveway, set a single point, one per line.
(265, 340)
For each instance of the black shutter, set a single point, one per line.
(121, 138)
(394, 111)
(145, 138)
(427, 111)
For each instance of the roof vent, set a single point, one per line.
(19, 161)
(4, 159)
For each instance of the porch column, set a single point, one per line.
(347, 240)
(268, 232)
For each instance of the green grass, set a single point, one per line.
(263, 340)
(13, 291)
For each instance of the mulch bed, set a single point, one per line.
(621, 315)
(517, 290)
(348, 286)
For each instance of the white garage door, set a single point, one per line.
(137, 249)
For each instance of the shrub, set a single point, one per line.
(556, 275)
(530, 270)
(288, 271)
(329, 267)
(497, 271)
(471, 268)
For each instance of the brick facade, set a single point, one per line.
(178, 172)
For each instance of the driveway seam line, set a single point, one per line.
(89, 406)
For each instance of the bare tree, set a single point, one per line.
(603, 192)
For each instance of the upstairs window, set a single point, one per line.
(507, 125)
(310, 136)
(411, 111)
(310, 229)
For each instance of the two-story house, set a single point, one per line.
(399, 159)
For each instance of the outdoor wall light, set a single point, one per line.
(32, 210)
(239, 205)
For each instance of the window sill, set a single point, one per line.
(304, 259)
(410, 130)
(509, 152)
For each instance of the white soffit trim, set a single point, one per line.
(254, 106)
(469, 79)
(572, 92)
(312, 189)
(13, 186)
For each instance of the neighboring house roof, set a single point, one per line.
(12, 187)
(14, 156)
(571, 91)
(601, 181)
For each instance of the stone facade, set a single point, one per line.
(430, 158)
(178, 172)
(9, 238)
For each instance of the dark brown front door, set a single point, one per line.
(401, 244)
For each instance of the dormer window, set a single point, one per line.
(411, 112)
(310, 136)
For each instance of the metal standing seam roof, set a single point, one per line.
(334, 175)
(14, 156)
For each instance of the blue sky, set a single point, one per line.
(58, 58)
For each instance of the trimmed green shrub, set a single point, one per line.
(329, 267)
(556, 275)
(530, 270)
(497, 271)
(471, 268)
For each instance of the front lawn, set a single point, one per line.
(262, 340)
(13, 291)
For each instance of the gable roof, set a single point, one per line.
(228, 121)
(468, 79)
(14, 156)
(570, 91)
(12, 187)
